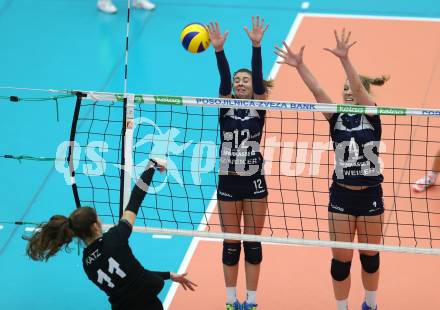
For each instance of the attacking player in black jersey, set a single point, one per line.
(242, 190)
(108, 260)
(356, 198)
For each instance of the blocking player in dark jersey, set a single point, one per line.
(356, 198)
(242, 190)
(108, 260)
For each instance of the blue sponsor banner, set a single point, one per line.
(240, 103)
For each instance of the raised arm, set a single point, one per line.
(296, 61)
(343, 45)
(218, 41)
(256, 36)
(140, 190)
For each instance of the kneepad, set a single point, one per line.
(340, 270)
(370, 264)
(231, 253)
(253, 252)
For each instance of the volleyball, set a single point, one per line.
(195, 38)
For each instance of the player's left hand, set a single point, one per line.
(343, 44)
(257, 32)
(160, 164)
(183, 280)
(289, 57)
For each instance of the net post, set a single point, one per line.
(126, 152)
(70, 157)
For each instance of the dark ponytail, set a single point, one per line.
(49, 238)
(56, 234)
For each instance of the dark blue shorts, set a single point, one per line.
(366, 202)
(235, 187)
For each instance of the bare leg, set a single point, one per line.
(342, 227)
(436, 164)
(254, 215)
(370, 231)
(230, 218)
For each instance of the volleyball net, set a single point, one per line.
(118, 135)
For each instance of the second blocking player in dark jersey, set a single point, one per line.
(356, 197)
(241, 190)
(108, 260)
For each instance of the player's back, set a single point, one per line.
(111, 265)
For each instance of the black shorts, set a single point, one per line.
(366, 202)
(235, 187)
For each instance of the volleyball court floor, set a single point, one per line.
(297, 277)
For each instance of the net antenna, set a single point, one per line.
(127, 129)
(125, 145)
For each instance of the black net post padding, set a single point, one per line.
(124, 126)
(57, 108)
(70, 156)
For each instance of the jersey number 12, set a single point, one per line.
(258, 184)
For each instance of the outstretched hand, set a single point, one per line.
(160, 164)
(183, 280)
(217, 39)
(343, 44)
(288, 56)
(257, 32)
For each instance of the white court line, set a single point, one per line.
(273, 73)
(290, 36)
(372, 17)
(190, 252)
(161, 236)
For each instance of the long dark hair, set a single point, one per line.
(56, 234)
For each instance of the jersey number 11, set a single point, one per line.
(113, 267)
